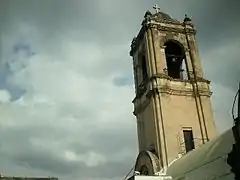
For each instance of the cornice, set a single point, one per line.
(165, 76)
(167, 91)
(176, 30)
(149, 24)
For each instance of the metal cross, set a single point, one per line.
(156, 8)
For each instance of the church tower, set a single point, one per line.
(172, 103)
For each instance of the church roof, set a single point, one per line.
(209, 160)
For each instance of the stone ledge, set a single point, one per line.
(142, 105)
(180, 87)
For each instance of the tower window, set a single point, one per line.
(144, 68)
(188, 140)
(175, 58)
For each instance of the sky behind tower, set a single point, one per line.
(66, 81)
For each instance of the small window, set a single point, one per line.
(188, 140)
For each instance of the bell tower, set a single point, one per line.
(172, 103)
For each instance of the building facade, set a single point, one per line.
(172, 103)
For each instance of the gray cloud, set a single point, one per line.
(19, 150)
(83, 69)
(46, 162)
(114, 137)
(122, 81)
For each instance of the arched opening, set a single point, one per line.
(147, 163)
(144, 68)
(175, 57)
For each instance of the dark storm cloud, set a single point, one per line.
(19, 137)
(114, 136)
(21, 47)
(21, 152)
(123, 81)
(110, 170)
(50, 163)
(16, 147)
(115, 23)
(217, 21)
(112, 24)
(108, 142)
(223, 65)
(45, 161)
(218, 35)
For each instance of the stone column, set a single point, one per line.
(151, 52)
(188, 63)
(148, 54)
(164, 60)
(195, 55)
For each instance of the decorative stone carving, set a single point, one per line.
(176, 30)
(148, 14)
(153, 21)
(169, 89)
(187, 19)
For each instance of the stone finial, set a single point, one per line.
(133, 41)
(147, 14)
(187, 19)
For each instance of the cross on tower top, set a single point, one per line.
(157, 8)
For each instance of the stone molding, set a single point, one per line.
(171, 90)
(139, 107)
(155, 24)
(142, 100)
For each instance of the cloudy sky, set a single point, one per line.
(66, 81)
